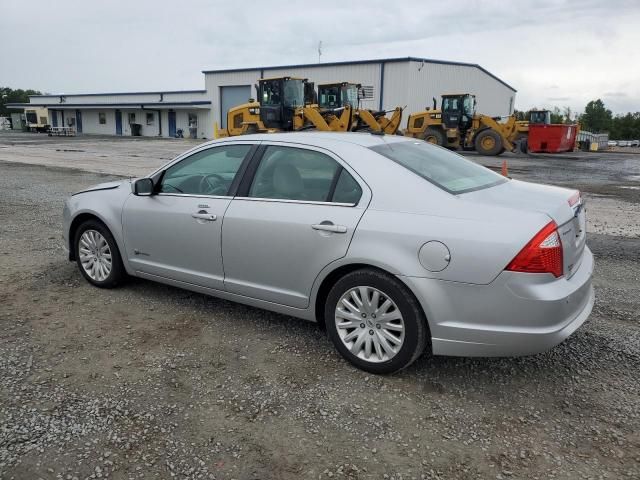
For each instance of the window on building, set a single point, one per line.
(150, 118)
(132, 118)
(102, 118)
(193, 120)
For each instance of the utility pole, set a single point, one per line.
(319, 50)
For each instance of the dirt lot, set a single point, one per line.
(148, 381)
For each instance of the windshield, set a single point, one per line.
(443, 168)
(542, 116)
(293, 93)
(329, 97)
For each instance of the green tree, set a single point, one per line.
(625, 127)
(596, 118)
(520, 115)
(7, 95)
(557, 116)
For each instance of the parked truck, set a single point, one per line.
(36, 119)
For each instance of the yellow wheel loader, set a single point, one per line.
(333, 95)
(284, 104)
(456, 125)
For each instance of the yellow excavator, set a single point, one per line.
(284, 104)
(456, 125)
(334, 95)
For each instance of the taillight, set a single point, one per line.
(543, 254)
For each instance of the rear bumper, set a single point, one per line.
(517, 314)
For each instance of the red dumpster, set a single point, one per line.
(552, 138)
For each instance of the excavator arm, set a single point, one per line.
(328, 121)
(391, 125)
(378, 122)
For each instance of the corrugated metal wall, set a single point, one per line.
(406, 83)
(428, 80)
(366, 74)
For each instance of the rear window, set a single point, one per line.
(443, 168)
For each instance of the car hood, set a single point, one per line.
(531, 197)
(104, 186)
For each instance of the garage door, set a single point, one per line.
(231, 97)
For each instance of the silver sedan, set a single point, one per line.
(395, 246)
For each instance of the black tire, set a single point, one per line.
(524, 145)
(488, 142)
(435, 136)
(416, 329)
(117, 273)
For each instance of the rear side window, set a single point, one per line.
(347, 189)
(443, 168)
(289, 173)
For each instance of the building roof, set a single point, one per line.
(58, 106)
(361, 62)
(115, 93)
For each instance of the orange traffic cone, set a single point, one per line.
(505, 171)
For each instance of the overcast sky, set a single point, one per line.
(562, 53)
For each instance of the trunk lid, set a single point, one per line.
(547, 199)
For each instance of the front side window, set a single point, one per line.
(443, 168)
(149, 118)
(350, 96)
(288, 173)
(467, 105)
(208, 172)
(102, 118)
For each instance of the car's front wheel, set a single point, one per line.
(97, 255)
(375, 322)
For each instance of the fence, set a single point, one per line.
(588, 140)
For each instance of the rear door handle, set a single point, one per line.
(204, 216)
(329, 227)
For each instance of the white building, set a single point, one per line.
(407, 82)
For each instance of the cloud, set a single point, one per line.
(125, 45)
(615, 94)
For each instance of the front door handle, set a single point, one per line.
(329, 227)
(204, 216)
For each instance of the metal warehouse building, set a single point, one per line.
(407, 82)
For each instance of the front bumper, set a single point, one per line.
(517, 314)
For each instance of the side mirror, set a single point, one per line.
(143, 187)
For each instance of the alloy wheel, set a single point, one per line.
(95, 255)
(370, 324)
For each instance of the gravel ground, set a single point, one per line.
(149, 381)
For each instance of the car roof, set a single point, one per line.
(323, 139)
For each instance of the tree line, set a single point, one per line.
(597, 118)
(8, 95)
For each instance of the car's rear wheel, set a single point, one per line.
(375, 322)
(97, 255)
